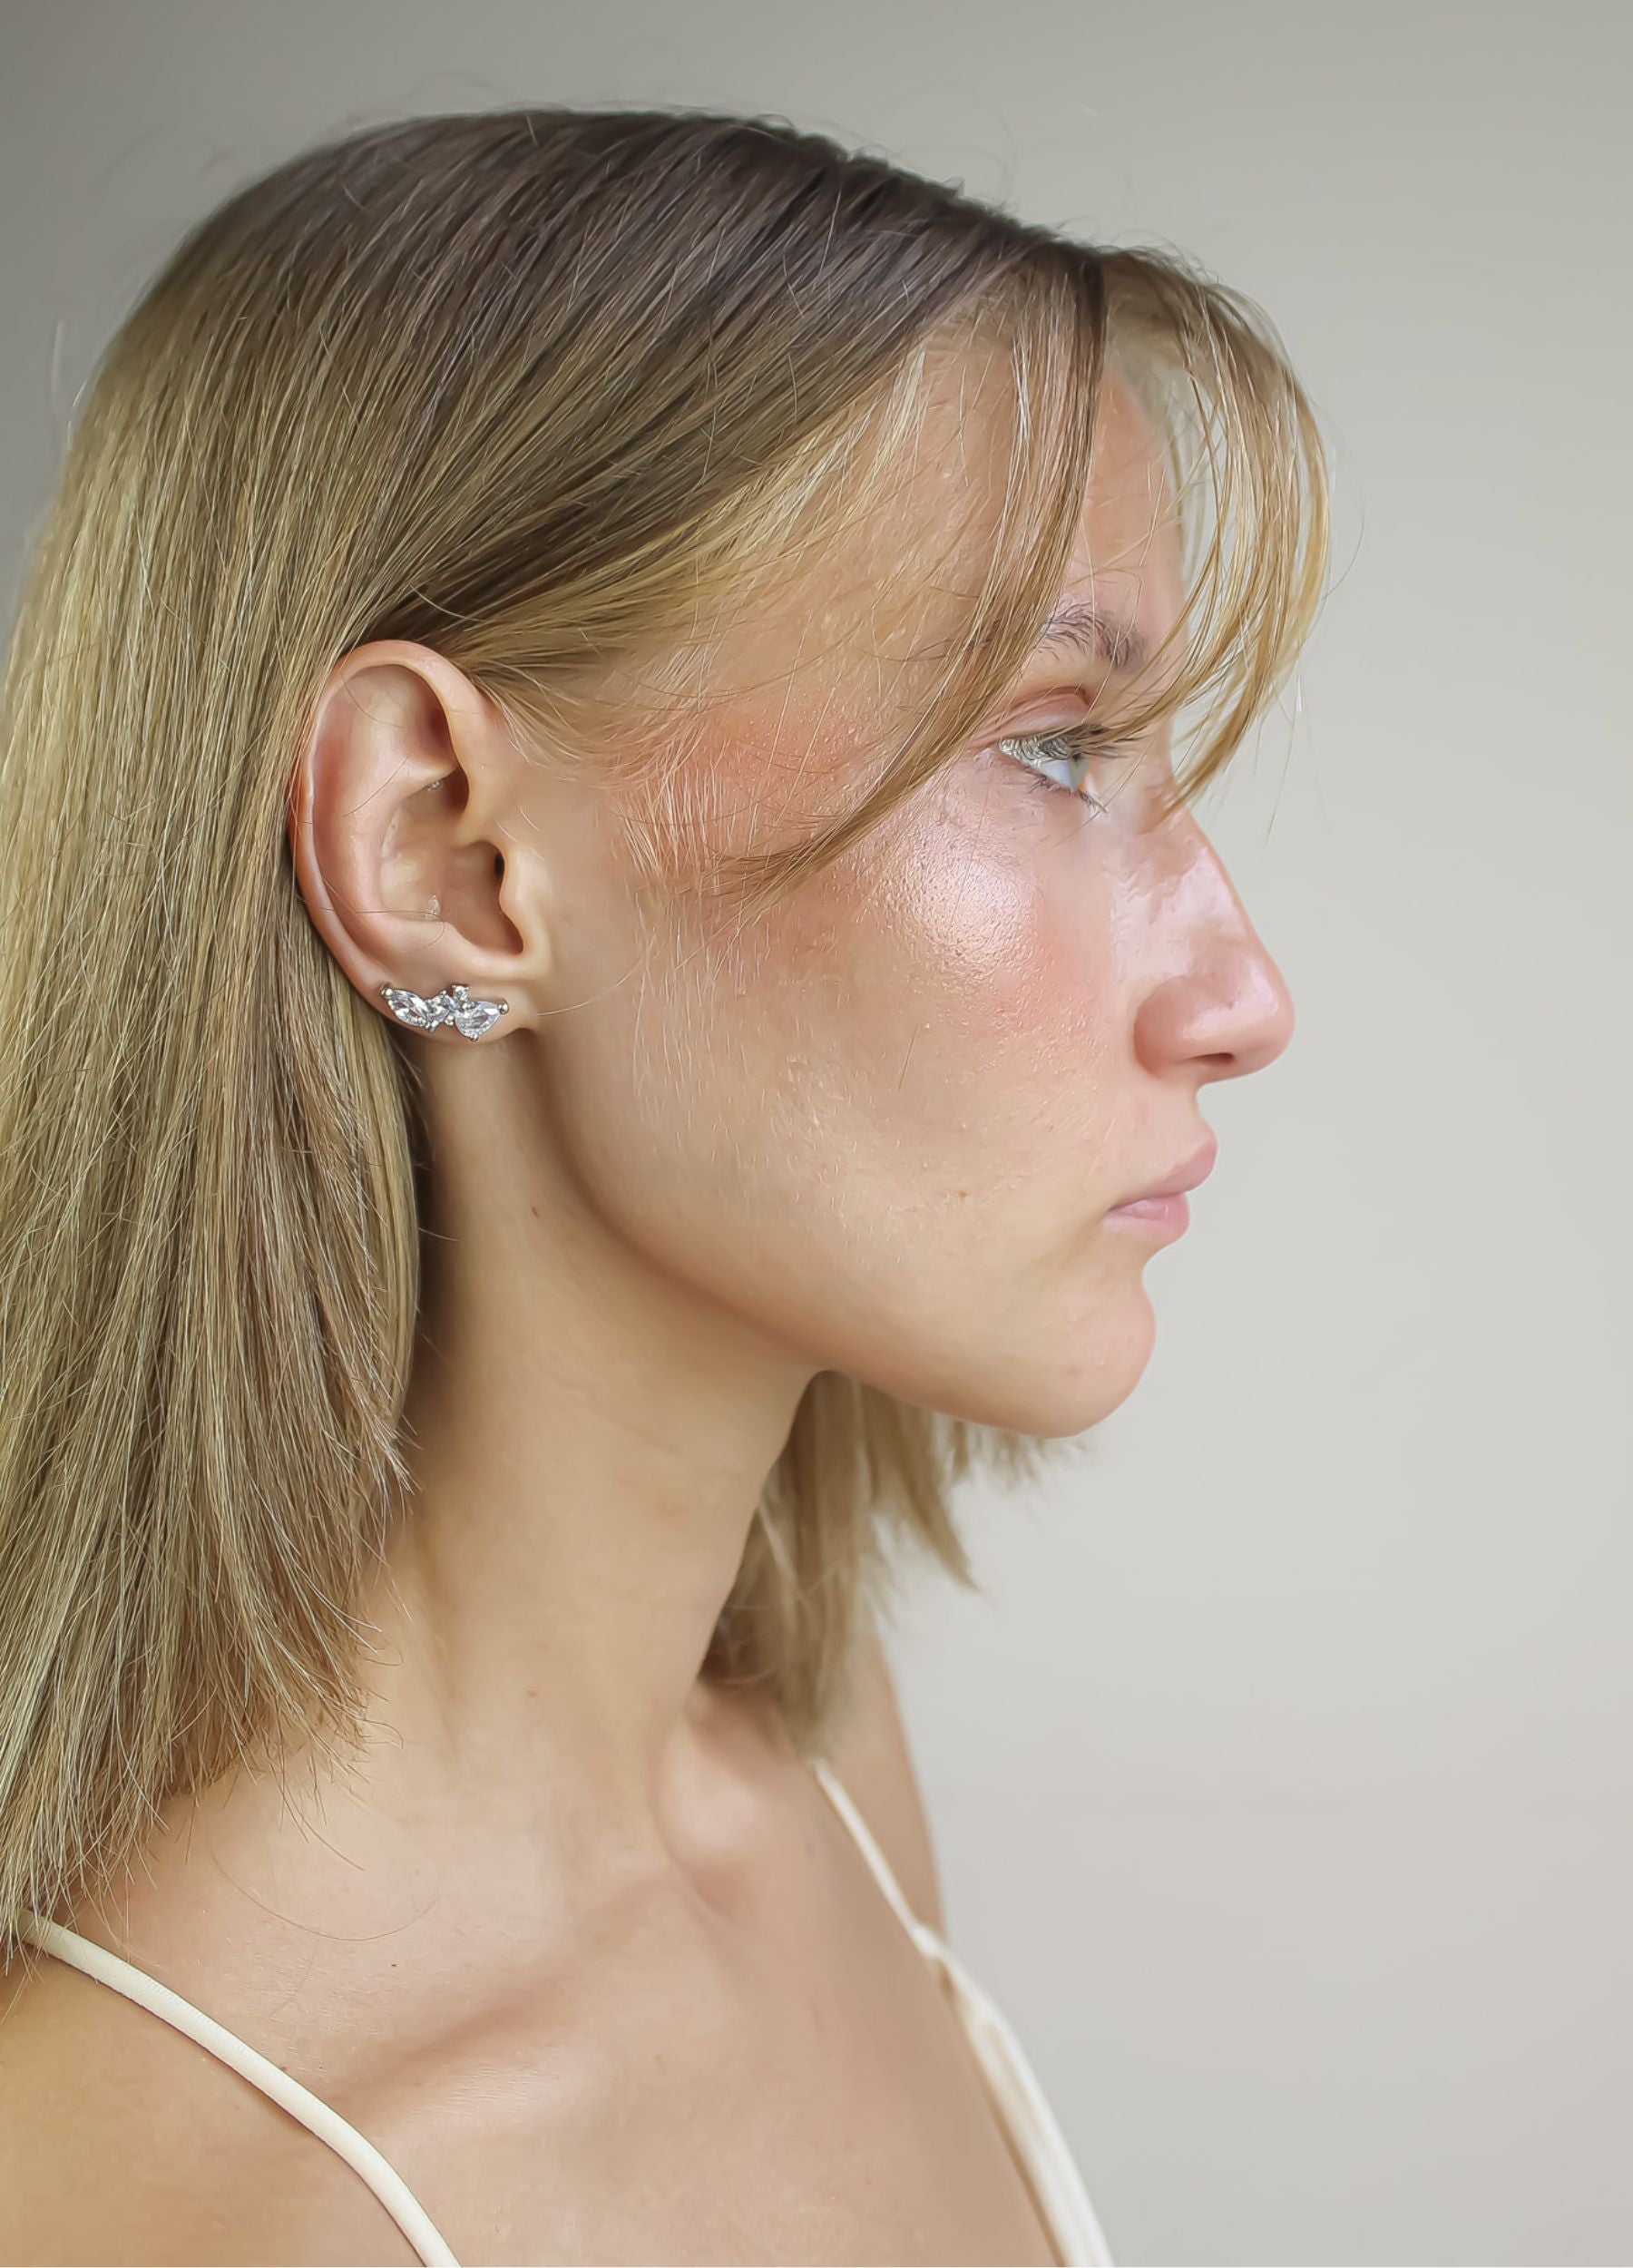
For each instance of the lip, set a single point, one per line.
(1195, 1168)
(1153, 1216)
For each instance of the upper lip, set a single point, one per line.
(1197, 1167)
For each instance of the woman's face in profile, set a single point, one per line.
(885, 1122)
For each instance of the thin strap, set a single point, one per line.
(1053, 2168)
(844, 1803)
(1073, 2221)
(388, 2185)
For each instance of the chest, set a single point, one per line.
(758, 2068)
(822, 2104)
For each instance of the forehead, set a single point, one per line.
(1126, 560)
(867, 612)
(915, 560)
(1128, 546)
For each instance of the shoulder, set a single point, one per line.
(63, 2071)
(873, 1759)
(74, 2186)
(123, 2140)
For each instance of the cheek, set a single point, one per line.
(869, 1120)
(918, 1036)
(959, 964)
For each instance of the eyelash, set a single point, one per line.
(1064, 747)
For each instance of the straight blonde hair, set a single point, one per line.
(529, 386)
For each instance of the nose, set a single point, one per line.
(1243, 1017)
(1222, 1006)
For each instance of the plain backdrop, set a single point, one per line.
(1282, 1772)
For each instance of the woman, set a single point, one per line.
(602, 937)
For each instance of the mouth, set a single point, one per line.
(1195, 1168)
(1158, 1216)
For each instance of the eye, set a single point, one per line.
(1076, 749)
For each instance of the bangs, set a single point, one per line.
(1244, 459)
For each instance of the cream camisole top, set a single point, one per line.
(1035, 2137)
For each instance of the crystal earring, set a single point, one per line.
(453, 1005)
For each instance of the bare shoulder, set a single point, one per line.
(73, 2188)
(53, 2140)
(875, 1762)
(123, 2140)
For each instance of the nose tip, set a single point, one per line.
(1279, 1016)
(1256, 1024)
(1267, 1028)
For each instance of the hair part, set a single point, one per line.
(543, 389)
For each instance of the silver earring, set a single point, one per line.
(453, 1005)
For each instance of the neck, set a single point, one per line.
(588, 1439)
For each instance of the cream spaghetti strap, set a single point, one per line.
(388, 2185)
(1017, 2092)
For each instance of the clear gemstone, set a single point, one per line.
(473, 1017)
(410, 1008)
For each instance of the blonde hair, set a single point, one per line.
(529, 386)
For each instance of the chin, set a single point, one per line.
(1051, 1397)
(1073, 1409)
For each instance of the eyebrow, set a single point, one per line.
(1086, 629)
(1107, 636)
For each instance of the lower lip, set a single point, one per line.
(1157, 1216)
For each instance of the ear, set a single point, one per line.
(403, 829)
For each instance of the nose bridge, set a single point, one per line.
(1214, 991)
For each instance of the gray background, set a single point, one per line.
(1282, 1776)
